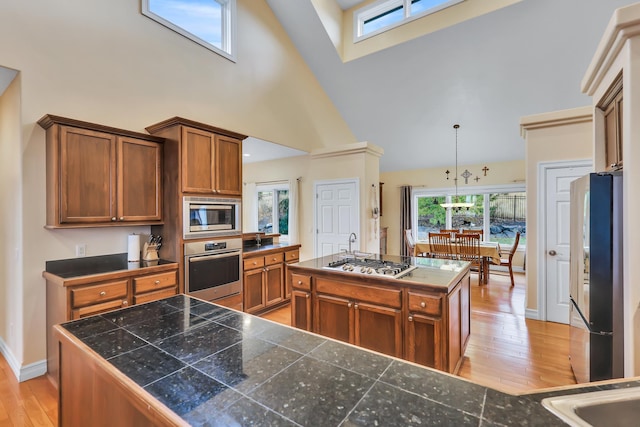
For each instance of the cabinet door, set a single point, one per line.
(197, 161)
(254, 298)
(228, 166)
(274, 289)
(334, 318)
(87, 176)
(139, 180)
(423, 340)
(378, 328)
(301, 309)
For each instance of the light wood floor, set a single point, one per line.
(26, 404)
(506, 351)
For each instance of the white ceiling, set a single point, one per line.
(485, 74)
(258, 150)
(6, 77)
(348, 4)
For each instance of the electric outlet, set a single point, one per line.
(81, 249)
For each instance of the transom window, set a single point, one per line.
(386, 14)
(210, 23)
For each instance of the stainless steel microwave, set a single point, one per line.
(204, 217)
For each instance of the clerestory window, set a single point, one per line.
(210, 23)
(386, 14)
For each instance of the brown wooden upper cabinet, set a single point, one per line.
(211, 158)
(100, 176)
(611, 106)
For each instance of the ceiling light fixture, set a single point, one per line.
(456, 206)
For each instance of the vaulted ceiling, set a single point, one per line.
(485, 74)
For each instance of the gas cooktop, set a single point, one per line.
(372, 267)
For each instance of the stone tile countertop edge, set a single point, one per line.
(268, 248)
(209, 363)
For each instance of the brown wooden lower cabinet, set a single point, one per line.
(76, 297)
(422, 324)
(301, 309)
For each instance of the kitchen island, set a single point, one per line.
(184, 361)
(417, 309)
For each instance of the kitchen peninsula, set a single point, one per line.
(184, 361)
(417, 309)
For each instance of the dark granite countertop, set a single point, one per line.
(216, 366)
(438, 274)
(87, 266)
(269, 247)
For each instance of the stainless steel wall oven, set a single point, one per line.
(213, 269)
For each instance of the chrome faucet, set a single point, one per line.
(352, 239)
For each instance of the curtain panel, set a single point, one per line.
(405, 217)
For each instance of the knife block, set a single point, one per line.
(150, 252)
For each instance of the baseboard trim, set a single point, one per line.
(22, 373)
(531, 313)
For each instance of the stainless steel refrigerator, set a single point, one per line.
(596, 311)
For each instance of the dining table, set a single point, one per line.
(489, 252)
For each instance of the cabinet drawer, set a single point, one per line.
(251, 263)
(292, 256)
(300, 281)
(375, 295)
(152, 296)
(429, 304)
(90, 310)
(154, 282)
(274, 258)
(95, 294)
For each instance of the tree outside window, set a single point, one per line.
(273, 209)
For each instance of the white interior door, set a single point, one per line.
(337, 216)
(558, 222)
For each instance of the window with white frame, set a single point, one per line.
(273, 209)
(386, 14)
(210, 23)
(500, 211)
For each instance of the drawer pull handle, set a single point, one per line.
(299, 282)
(113, 218)
(157, 282)
(307, 295)
(274, 259)
(125, 303)
(423, 304)
(349, 305)
(103, 293)
(410, 318)
(355, 306)
(121, 218)
(255, 263)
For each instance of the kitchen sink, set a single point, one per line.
(610, 408)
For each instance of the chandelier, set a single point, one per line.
(456, 206)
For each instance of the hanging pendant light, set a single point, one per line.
(456, 206)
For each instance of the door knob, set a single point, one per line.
(552, 252)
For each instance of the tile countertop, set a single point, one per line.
(215, 366)
(267, 248)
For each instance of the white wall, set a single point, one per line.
(550, 137)
(104, 62)
(11, 223)
(359, 160)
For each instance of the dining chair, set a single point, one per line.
(469, 250)
(440, 246)
(411, 244)
(474, 231)
(507, 261)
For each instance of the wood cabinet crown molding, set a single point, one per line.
(182, 121)
(49, 120)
